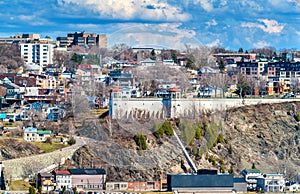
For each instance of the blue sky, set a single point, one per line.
(161, 23)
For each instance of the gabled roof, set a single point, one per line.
(43, 132)
(8, 86)
(30, 130)
(251, 170)
(62, 172)
(87, 171)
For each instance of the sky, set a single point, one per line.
(231, 24)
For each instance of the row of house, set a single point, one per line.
(81, 179)
(257, 181)
(208, 181)
(91, 179)
(281, 76)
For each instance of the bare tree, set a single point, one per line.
(61, 58)
(251, 83)
(261, 85)
(10, 57)
(295, 85)
(242, 85)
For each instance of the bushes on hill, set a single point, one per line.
(297, 117)
(199, 131)
(72, 141)
(166, 129)
(140, 141)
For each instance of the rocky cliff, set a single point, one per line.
(265, 135)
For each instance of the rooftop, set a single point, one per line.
(87, 171)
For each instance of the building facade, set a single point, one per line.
(37, 53)
(63, 178)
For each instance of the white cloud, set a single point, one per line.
(261, 44)
(211, 23)
(207, 5)
(154, 10)
(158, 36)
(84, 26)
(32, 20)
(216, 42)
(295, 1)
(269, 26)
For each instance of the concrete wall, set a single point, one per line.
(21, 167)
(155, 108)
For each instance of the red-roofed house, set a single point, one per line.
(63, 178)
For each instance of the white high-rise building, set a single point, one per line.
(37, 53)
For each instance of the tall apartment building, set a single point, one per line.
(37, 53)
(83, 39)
(102, 41)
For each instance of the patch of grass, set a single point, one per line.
(19, 185)
(47, 147)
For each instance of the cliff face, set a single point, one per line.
(13, 148)
(266, 135)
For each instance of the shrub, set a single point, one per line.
(166, 128)
(48, 140)
(222, 169)
(297, 127)
(199, 132)
(297, 117)
(72, 141)
(230, 149)
(140, 141)
(31, 190)
(220, 139)
(187, 132)
(230, 171)
(211, 135)
(226, 140)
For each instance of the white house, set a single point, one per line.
(251, 176)
(33, 134)
(63, 178)
(271, 183)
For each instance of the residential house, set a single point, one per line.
(292, 186)
(251, 176)
(88, 179)
(116, 186)
(137, 186)
(13, 96)
(33, 134)
(46, 181)
(121, 79)
(63, 178)
(271, 183)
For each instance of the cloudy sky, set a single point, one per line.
(161, 23)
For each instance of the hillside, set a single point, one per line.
(266, 135)
(16, 148)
